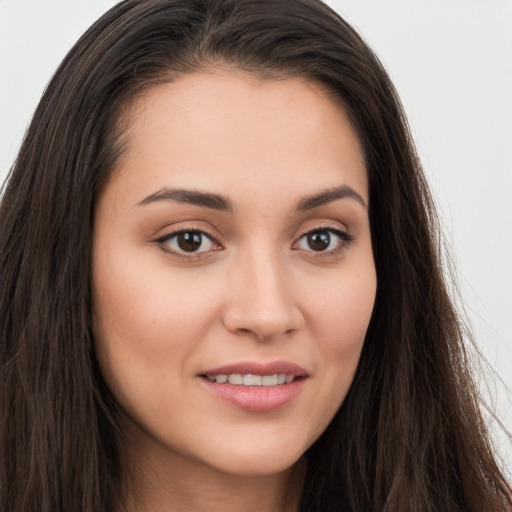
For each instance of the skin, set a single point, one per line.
(257, 292)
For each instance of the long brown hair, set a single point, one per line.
(408, 437)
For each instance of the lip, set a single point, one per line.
(255, 368)
(257, 398)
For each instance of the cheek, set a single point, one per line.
(342, 311)
(147, 322)
(339, 318)
(139, 301)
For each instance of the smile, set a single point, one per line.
(256, 387)
(238, 379)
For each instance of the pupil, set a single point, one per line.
(319, 241)
(190, 241)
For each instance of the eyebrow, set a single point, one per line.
(222, 203)
(179, 195)
(328, 196)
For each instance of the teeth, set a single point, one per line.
(236, 379)
(252, 380)
(269, 380)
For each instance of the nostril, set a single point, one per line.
(265, 321)
(263, 337)
(249, 332)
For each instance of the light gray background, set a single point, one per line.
(451, 61)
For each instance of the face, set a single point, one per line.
(233, 275)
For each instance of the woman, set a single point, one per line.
(220, 279)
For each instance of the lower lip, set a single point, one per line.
(257, 398)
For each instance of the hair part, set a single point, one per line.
(409, 435)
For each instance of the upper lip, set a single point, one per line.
(256, 368)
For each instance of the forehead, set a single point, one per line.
(230, 132)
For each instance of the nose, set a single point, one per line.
(261, 300)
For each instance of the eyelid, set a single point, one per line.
(345, 236)
(325, 226)
(345, 239)
(160, 241)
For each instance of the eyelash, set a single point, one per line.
(345, 239)
(163, 243)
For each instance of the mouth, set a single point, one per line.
(248, 379)
(256, 387)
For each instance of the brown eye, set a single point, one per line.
(188, 242)
(319, 240)
(324, 240)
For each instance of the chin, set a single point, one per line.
(259, 458)
(260, 465)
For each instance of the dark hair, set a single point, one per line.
(409, 435)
